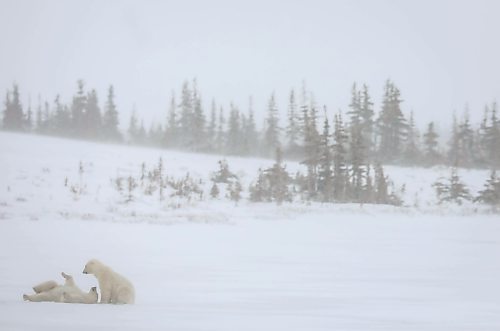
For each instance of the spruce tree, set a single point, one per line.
(492, 138)
(251, 139)
(325, 172)
(133, 127)
(313, 123)
(77, 110)
(186, 117)
(272, 131)
(481, 145)
(110, 118)
(340, 178)
(357, 147)
(278, 179)
(454, 143)
(355, 107)
(7, 121)
(13, 113)
(61, 123)
(223, 174)
(381, 185)
(391, 124)
(491, 193)
(220, 138)
(367, 113)
(466, 142)
(214, 191)
(305, 127)
(431, 154)
(39, 117)
(92, 116)
(28, 121)
(292, 129)
(311, 147)
(235, 191)
(452, 190)
(233, 143)
(198, 125)
(172, 131)
(259, 190)
(412, 154)
(212, 127)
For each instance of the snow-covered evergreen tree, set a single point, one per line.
(278, 179)
(214, 190)
(292, 129)
(491, 193)
(466, 144)
(367, 122)
(198, 125)
(412, 154)
(223, 174)
(13, 112)
(233, 142)
(220, 138)
(92, 117)
(78, 110)
(391, 125)
(272, 130)
(186, 117)
(212, 127)
(171, 138)
(110, 118)
(452, 190)
(325, 171)
(492, 138)
(61, 123)
(340, 176)
(251, 141)
(431, 154)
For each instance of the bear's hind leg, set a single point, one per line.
(69, 279)
(45, 286)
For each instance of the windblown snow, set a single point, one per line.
(216, 265)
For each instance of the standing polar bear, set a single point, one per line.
(114, 287)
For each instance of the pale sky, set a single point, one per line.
(441, 54)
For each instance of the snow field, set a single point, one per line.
(216, 266)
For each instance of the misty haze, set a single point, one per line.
(265, 165)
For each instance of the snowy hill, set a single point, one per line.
(212, 265)
(49, 177)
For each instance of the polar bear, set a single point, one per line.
(68, 292)
(114, 287)
(88, 298)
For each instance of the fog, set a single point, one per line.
(441, 54)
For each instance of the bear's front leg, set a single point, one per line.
(105, 296)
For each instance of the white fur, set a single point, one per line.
(88, 298)
(114, 287)
(68, 292)
(45, 286)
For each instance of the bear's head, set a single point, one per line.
(92, 266)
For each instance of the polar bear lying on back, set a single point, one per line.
(69, 292)
(114, 287)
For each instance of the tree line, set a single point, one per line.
(360, 137)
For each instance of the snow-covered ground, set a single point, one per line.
(211, 265)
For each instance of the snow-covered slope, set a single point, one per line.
(211, 265)
(39, 175)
